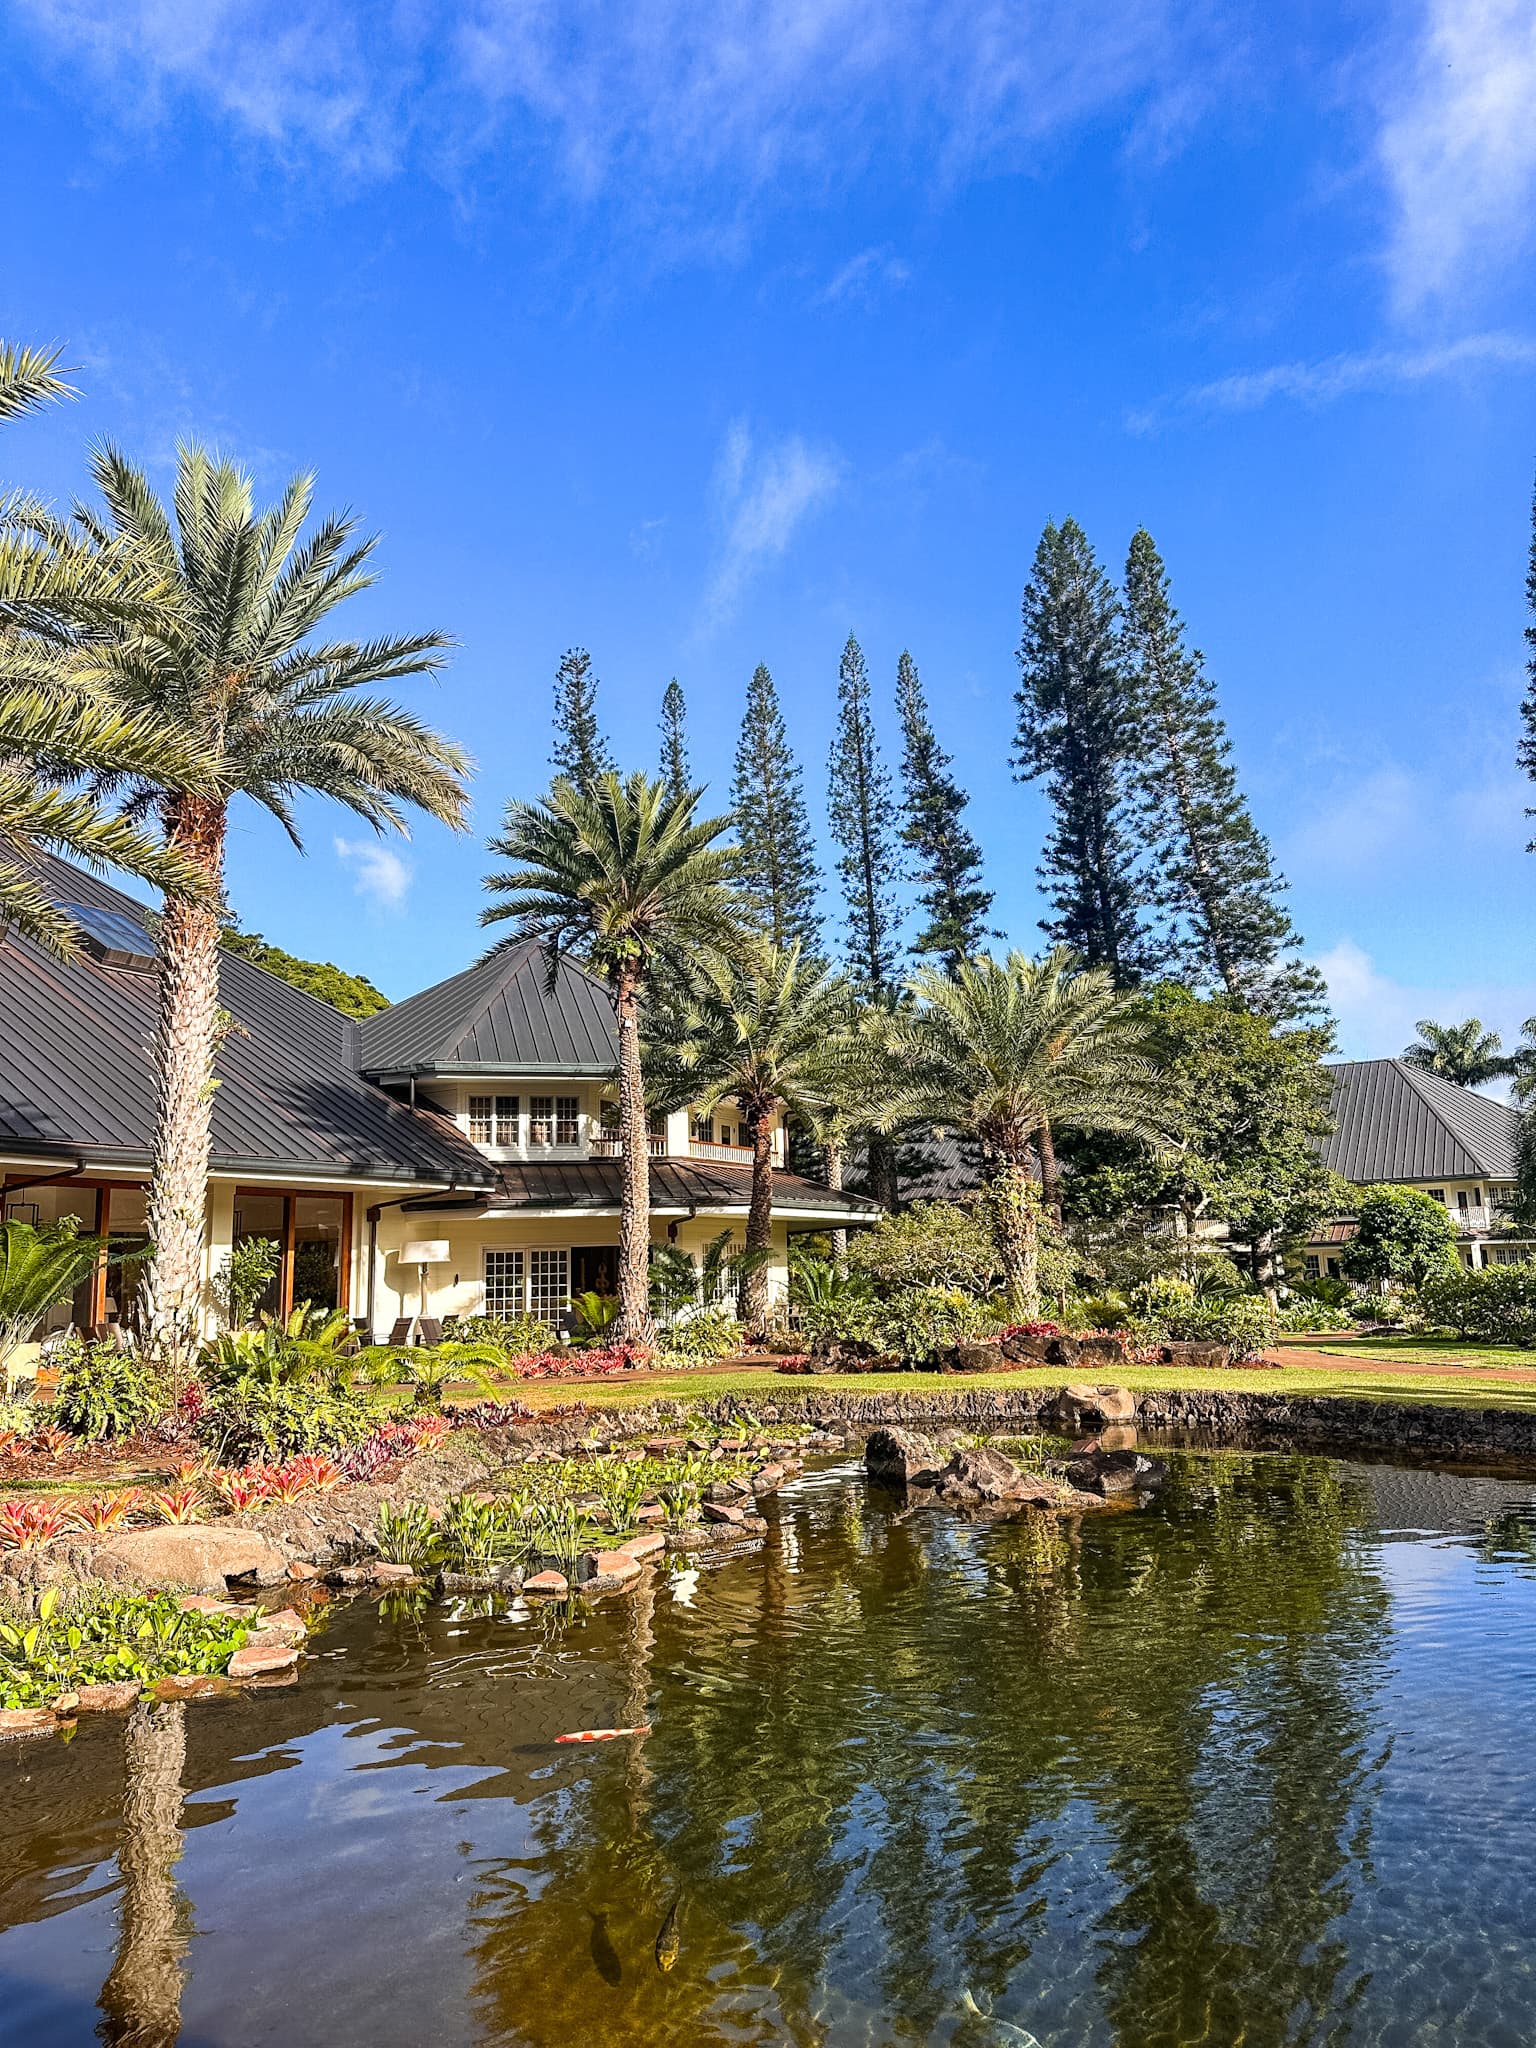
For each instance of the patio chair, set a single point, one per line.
(400, 1336)
(431, 1330)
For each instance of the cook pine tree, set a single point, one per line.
(862, 809)
(1213, 886)
(945, 860)
(674, 741)
(1076, 734)
(780, 878)
(580, 752)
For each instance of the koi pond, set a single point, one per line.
(1253, 1764)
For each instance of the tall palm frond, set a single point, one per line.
(1464, 1053)
(29, 378)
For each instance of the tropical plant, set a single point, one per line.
(104, 1511)
(52, 729)
(31, 1525)
(245, 1275)
(778, 1034)
(703, 1333)
(1403, 1237)
(307, 1343)
(595, 1316)
(228, 656)
(432, 1370)
(40, 1266)
(1004, 1049)
(1486, 1304)
(635, 881)
(104, 1392)
(479, 1534)
(520, 1336)
(406, 1535)
(932, 1244)
(276, 1419)
(1464, 1053)
(101, 1638)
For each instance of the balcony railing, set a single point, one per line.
(729, 1155)
(1477, 1219)
(611, 1146)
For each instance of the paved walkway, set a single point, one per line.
(1353, 1361)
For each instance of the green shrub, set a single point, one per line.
(1173, 1313)
(105, 1638)
(1403, 1237)
(105, 1393)
(275, 1420)
(1492, 1305)
(244, 1276)
(708, 1333)
(407, 1536)
(922, 1321)
(519, 1336)
(932, 1244)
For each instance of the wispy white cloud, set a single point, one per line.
(865, 276)
(379, 875)
(1343, 376)
(699, 100)
(1458, 147)
(763, 496)
(1378, 1014)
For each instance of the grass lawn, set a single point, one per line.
(757, 1385)
(1423, 1351)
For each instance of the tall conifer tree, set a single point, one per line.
(947, 859)
(1214, 880)
(863, 815)
(580, 752)
(1526, 752)
(674, 742)
(779, 874)
(1075, 734)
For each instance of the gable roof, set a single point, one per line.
(1394, 1122)
(499, 1016)
(77, 1078)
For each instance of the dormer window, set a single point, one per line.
(493, 1119)
(553, 1119)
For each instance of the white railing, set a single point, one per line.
(733, 1155)
(1476, 1219)
(613, 1148)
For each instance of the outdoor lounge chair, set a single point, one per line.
(400, 1335)
(431, 1330)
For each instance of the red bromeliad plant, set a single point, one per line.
(240, 1490)
(104, 1510)
(178, 1505)
(52, 1443)
(30, 1525)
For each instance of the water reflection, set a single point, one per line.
(1149, 1780)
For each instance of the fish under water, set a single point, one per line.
(1000, 2033)
(605, 1956)
(669, 1939)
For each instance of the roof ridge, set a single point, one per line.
(1467, 1139)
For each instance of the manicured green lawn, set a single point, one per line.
(710, 1383)
(1424, 1351)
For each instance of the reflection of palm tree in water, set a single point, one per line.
(141, 1999)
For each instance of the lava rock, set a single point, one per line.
(900, 1457)
(198, 1558)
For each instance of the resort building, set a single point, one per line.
(1395, 1123)
(453, 1155)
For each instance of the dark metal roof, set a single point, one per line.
(499, 1016)
(76, 1076)
(1394, 1122)
(675, 1184)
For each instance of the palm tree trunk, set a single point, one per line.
(142, 1997)
(832, 1156)
(1015, 1216)
(185, 1038)
(1050, 1174)
(759, 1225)
(634, 1320)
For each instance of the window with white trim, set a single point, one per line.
(549, 1284)
(506, 1119)
(503, 1283)
(480, 1119)
(541, 1119)
(703, 1130)
(567, 1119)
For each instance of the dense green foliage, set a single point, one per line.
(1403, 1237)
(40, 1266)
(580, 753)
(932, 1244)
(353, 994)
(1075, 733)
(1488, 1305)
(780, 878)
(100, 1638)
(674, 741)
(104, 1392)
(1464, 1053)
(1210, 877)
(946, 860)
(863, 816)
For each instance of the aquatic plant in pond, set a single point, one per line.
(99, 1638)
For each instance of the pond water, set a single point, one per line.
(1253, 1765)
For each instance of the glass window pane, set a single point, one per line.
(567, 1119)
(549, 1284)
(317, 1250)
(503, 1284)
(259, 1214)
(41, 1206)
(541, 1119)
(506, 1119)
(480, 1119)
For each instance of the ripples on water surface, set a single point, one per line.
(1254, 1766)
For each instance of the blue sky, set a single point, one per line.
(701, 335)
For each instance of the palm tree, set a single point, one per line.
(778, 1034)
(1464, 1053)
(50, 729)
(1002, 1051)
(626, 875)
(229, 655)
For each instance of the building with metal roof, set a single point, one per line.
(1394, 1123)
(476, 1119)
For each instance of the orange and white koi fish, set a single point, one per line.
(604, 1734)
